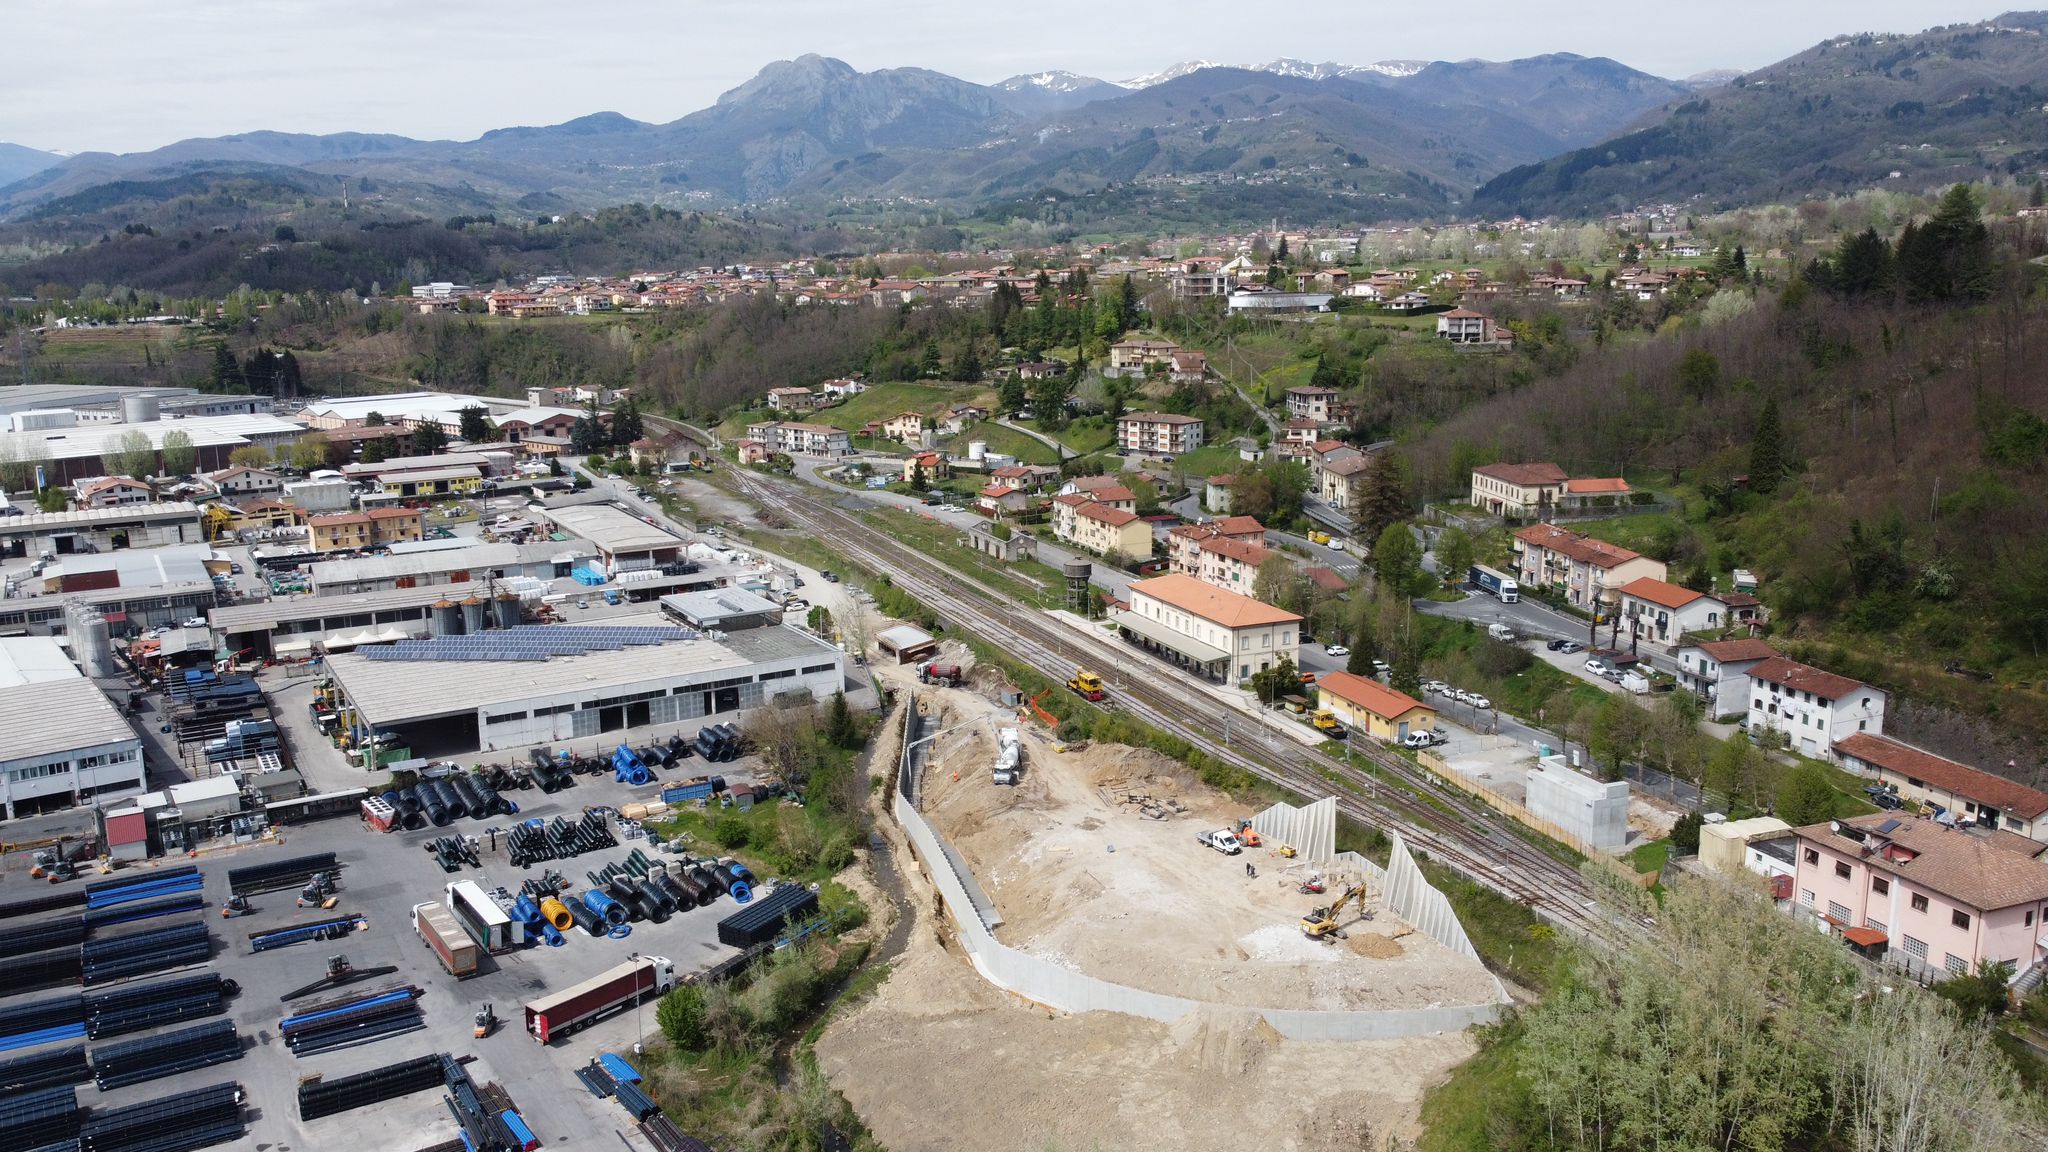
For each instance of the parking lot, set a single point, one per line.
(382, 877)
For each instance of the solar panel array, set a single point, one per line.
(525, 643)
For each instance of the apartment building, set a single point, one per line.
(375, 528)
(1661, 612)
(1184, 542)
(1340, 478)
(1310, 402)
(1811, 710)
(1930, 898)
(1717, 671)
(1517, 491)
(794, 438)
(1588, 573)
(1158, 432)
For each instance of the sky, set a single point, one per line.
(124, 75)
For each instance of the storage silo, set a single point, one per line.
(92, 644)
(444, 619)
(474, 615)
(507, 605)
(141, 409)
(977, 450)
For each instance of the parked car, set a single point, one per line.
(1599, 667)
(194, 622)
(1335, 650)
(1381, 667)
(1557, 645)
(234, 569)
(1478, 701)
(1436, 686)
(1423, 739)
(1571, 646)
(796, 606)
(830, 577)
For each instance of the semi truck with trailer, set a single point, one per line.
(601, 995)
(1494, 583)
(439, 930)
(481, 916)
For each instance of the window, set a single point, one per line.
(1861, 725)
(1919, 903)
(1806, 897)
(1917, 949)
(1881, 886)
(1959, 918)
(2029, 922)
(1839, 913)
(1244, 644)
(1812, 857)
(1873, 923)
(1957, 965)
(1841, 870)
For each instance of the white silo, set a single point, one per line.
(143, 409)
(977, 451)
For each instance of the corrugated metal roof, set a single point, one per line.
(55, 717)
(33, 660)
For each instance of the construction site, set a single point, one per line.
(1124, 922)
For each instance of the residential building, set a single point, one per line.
(1718, 672)
(1930, 898)
(932, 464)
(1199, 277)
(1189, 366)
(1340, 479)
(239, 481)
(1216, 494)
(1066, 510)
(1231, 564)
(905, 427)
(1463, 326)
(1298, 435)
(1517, 491)
(1311, 402)
(842, 389)
(752, 451)
(1108, 531)
(1158, 432)
(112, 492)
(792, 399)
(792, 438)
(376, 528)
(1138, 355)
(1663, 613)
(1372, 708)
(1000, 500)
(1588, 573)
(1812, 710)
(1593, 492)
(1216, 634)
(1970, 794)
(1184, 541)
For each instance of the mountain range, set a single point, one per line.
(1413, 134)
(1948, 104)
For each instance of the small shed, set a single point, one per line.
(906, 643)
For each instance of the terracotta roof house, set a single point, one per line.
(1972, 795)
(1811, 710)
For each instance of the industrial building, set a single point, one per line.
(721, 609)
(75, 451)
(152, 568)
(624, 542)
(47, 405)
(61, 740)
(1593, 812)
(546, 684)
(100, 529)
(470, 562)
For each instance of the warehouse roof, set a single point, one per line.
(403, 692)
(57, 717)
(85, 440)
(135, 568)
(1941, 772)
(33, 660)
(89, 518)
(474, 558)
(611, 529)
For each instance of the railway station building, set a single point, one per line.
(1217, 634)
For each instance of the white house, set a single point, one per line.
(1718, 672)
(1158, 432)
(1662, 612)
(1812, 710)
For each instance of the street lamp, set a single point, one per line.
(637, 1034)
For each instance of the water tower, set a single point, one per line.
(1077, 573)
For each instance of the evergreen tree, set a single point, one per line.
(226, 375)
(1951, 259)
(1767, 451)
(476, 424)
(1127, 305)
(1397, 559)
(968, 366)
(1280, 257)
(839, 725)
(1013, 394)
(626, 423)
(1364, 650)
(1383, 497)
(588, 433)
(2034, 195)
(428, 438)
(288, 380)
(929, 365)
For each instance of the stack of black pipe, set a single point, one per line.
(552, 774)
(352, 1020)
(154, 1057)
(50, 1069)
(718, 743)
(38, 1119)
(36, 905)
(279, 874)
(136, 953)
(410, 813)
(43, 935)
(641, 902)
(194, 1119)
(133, 1009)
(129, 913)
(38, 970)
(319, 1098)
(453, 852)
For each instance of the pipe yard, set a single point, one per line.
(330, 987)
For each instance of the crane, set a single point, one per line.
(1321, 923)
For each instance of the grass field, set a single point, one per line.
(886, 400)
(1088, 434)
(1203, 463)
(1008, 441)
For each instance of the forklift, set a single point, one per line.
(486, 1021)
(319, 892)
(236, 906)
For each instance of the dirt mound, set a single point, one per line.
(1216, 1039)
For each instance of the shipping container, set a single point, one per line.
(438, 929)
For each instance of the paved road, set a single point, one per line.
(1062, 450)
(1345, 564)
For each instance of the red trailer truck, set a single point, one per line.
(438, 928)
(562, 1012)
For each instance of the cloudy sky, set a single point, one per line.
(124, 75)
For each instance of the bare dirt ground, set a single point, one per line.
(1084, 877)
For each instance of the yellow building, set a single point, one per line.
(1373, 708)
(377, 527)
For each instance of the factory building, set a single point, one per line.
(100, 529)
(540, 685)
(62, 742)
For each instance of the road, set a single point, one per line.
(1189, 508)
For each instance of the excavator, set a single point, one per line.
(1321, 923)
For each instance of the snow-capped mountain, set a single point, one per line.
(1054, 81)
(1287, 66)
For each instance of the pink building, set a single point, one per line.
(1925, 896)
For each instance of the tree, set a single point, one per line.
(375, 420)
(1397, 560)
(226, 374)
(1616, 735)
(180, 457)
(1013, 394)
(1699, 373)
(428, 438)
(289, 382)
(476, 424)
(1127, 305)
(681, 1018)
(1949, 258)
(588, 435)
(627, 425)
(929, 365)
(1806, 796)
(1049, 402)
(377, 450)
(1364, 650)
(1909, 1076)
(134, 455)
(839, 723)
(1405, 669)
(250, 456)
(1767, 464)
(1280, 680)
(1685, 834)
(1455, 554)
(1280, 254)
(1382, 497)
(310, 453)
(967, 366)
(918, 481)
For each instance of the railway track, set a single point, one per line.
(1388, 792)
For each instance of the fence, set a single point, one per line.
(1043, 982)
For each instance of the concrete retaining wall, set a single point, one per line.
(1043, 982)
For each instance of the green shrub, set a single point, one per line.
(681, 1018)
(731, 831)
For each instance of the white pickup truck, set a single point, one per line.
(1222, 839)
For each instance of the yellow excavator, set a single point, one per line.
(1321, 923)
